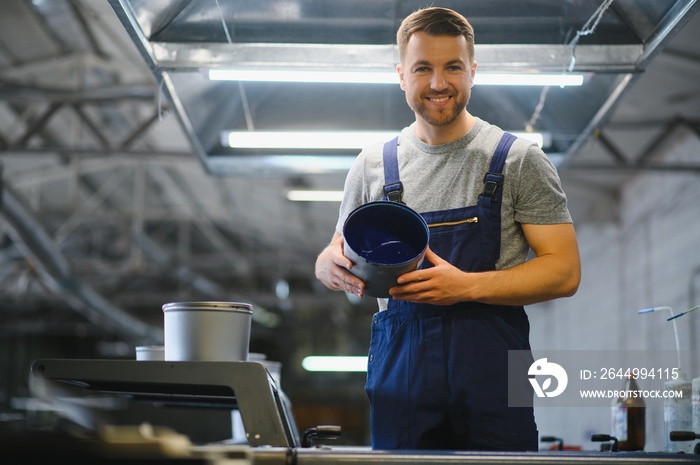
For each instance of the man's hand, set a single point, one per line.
(332, 269)
(438, 285)
(554, 272)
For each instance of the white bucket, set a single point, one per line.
(207, 331)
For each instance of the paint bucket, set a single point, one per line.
(207, 331)
(384, 240)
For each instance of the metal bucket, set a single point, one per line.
(207, 331)
(384, 240)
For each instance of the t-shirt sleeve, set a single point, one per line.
(539, 197)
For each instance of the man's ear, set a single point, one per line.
(399, 71)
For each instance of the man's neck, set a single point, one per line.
(440, 135)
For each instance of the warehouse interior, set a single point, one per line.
(119, 194)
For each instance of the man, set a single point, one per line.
(438, 360)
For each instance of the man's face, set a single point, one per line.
(437, 74)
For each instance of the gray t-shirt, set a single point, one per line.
(441, 177)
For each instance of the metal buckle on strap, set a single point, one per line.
(394, 191)
(492, 181)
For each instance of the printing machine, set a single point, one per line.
(270, 430)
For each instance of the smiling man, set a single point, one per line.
(438, 369)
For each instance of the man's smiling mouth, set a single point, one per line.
(438, 99)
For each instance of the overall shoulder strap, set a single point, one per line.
(393, 189)
(494, 177)
(490, 202)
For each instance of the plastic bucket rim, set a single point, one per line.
(405, 208)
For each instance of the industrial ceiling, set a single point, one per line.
(119, 196)
(182, 40)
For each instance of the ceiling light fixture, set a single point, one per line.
(314, 196)
(339, 77)
(337, 140)
(369, 77)
(528, 79)
(335, 363)
(329, 140)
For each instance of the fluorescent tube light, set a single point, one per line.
(314, 196)
(304, 140)
(337, 364)
(536, 137)
(528, 79)
(343, 77)
(389, 77)
(330, 140)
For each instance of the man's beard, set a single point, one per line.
(444, 116)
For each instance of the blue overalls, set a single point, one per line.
(437, 376)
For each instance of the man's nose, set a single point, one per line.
(438, 82)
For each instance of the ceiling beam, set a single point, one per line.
(642, 163)
(48, 104)
(36, 125)
(610, 148)
(19, 93)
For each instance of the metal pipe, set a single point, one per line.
(56, 272)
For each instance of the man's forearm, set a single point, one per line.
(537, 280)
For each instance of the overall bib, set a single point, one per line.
(437, 376)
